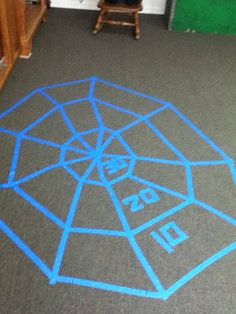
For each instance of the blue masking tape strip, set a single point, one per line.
(39, 207)
(18, 104)
(197, 270)
(200, 133)
(14, 160)
(109, 287)
(25, 249)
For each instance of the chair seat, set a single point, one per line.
(120, 7)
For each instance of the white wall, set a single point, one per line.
(149, 6)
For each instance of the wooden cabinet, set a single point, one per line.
(9, 39)
(29, 17)
(18, 23)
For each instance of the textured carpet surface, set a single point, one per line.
(194, 72)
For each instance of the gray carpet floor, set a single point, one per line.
(194, 72)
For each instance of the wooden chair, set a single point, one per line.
(118, 8)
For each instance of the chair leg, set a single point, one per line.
(137, 27)
(99, 23)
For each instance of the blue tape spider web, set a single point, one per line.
(91, 147)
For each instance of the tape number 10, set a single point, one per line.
(138, 201)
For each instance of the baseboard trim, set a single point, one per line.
(158, 9)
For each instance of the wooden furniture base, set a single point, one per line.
(128, 10)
